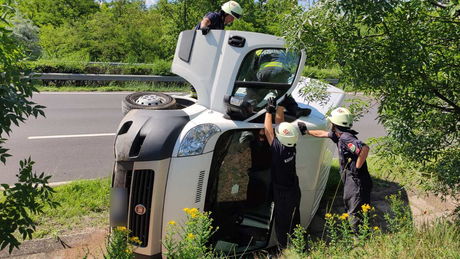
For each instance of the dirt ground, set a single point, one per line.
(91, 242)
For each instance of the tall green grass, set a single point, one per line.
(83, 204)
(440, 239)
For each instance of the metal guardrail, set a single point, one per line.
(106, 77)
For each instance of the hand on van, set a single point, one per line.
(271, 105)
(205, 30)
(302, 127)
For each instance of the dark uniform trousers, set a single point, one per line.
(356, 193)
(287, 215)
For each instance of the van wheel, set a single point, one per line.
(147, 101)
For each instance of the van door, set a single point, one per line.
(212, 62)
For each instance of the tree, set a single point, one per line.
(31, 191)
(126, 33)
(57, 12)
(258, 16)
(180, 15)
(263, 16)
(26, 33)
(406, 54)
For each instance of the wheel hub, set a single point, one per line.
(151, 100)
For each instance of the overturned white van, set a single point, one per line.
(176, 152)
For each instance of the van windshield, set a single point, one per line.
(265, 73)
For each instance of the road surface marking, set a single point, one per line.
(73, 136)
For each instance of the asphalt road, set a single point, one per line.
(75, 140)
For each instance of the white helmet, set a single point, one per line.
(232, 8)
(287, 134)
(341, 117)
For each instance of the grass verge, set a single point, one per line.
(83, 204)
(441, 239)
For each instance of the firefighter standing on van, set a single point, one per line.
(285, 183)
(230, 11)
(352, 157)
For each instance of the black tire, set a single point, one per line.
(129, 102)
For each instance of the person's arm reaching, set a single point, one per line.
(205, 22)
(279, 115)
(268, 120)
(204, 26)
(318, 133)
(315, 133)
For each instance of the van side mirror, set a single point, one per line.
(237, 108)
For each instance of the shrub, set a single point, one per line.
(31, 192)
(187, 240)
(400, 217)
(120, 245)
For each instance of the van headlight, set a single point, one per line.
(196, 139)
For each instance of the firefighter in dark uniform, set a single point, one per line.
(352, 157)
(271, 68)
(230, 11)
(285, 183)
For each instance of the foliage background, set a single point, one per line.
(31, 192)
(406, 55)
(129, 30)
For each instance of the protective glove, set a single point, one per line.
(205, 30)
(271, 105)
(285, 100)
(302, 127)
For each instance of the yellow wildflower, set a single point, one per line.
(186, 209)
(366, 207)
(193, 215)
(172, 222)
(121, 228)
(191, 236)
(193, 211)
(344, 216)
(135, 240)
(376, 228)
(128, 251)
(328, 215)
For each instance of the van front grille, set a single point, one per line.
(141, 197)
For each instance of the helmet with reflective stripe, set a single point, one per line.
(232, 8)
(287, 134)
(341, 117)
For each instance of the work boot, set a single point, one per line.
(303, 112)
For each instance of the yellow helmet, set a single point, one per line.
(341, 117)
(287, 134)
(232, 8)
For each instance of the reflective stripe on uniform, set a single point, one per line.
(271, 64)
